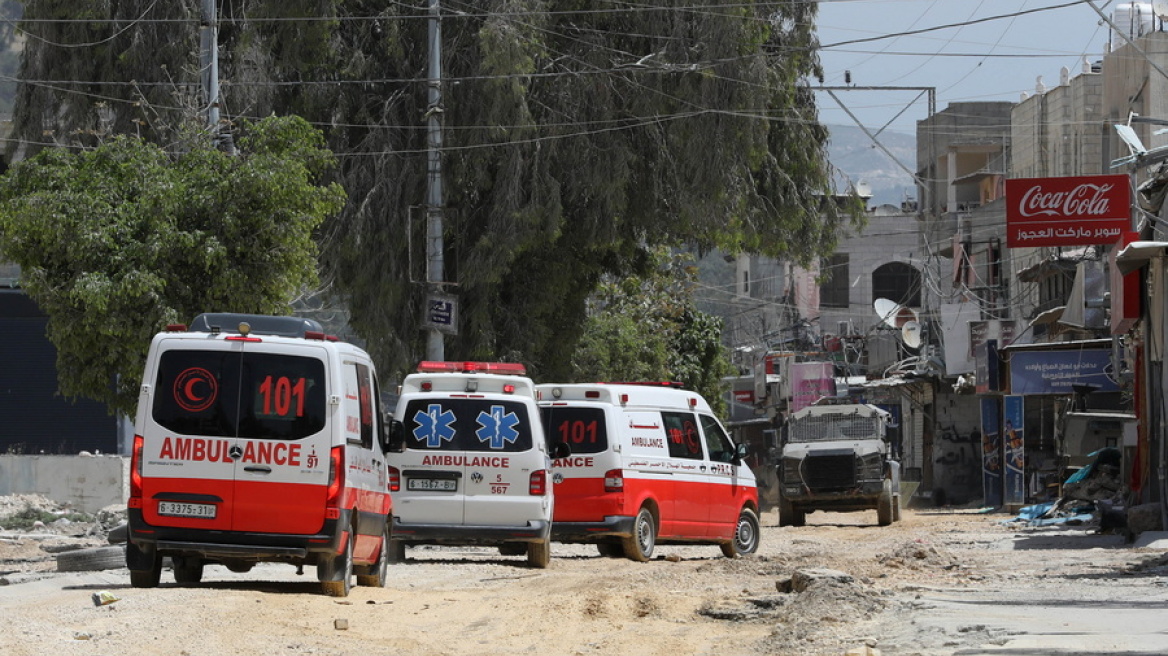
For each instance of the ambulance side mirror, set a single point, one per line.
(560, 450)
(740, 452)
(383, 432)
(397, 436)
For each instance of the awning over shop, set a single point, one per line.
(1137, 254)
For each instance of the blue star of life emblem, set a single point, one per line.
(497, 428)
(434, 426)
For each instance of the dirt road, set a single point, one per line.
(943, 582)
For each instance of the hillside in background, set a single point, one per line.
(857, 159)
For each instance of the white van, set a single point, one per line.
(649, 464)
(258, 439)
(468, 463)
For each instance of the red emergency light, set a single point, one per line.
(435, 367)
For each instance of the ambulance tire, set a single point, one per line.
(639, 545)
(539, 554)
(238, 566)
(341, 565)
(188, 570)
(746, 536)
(884, 511)
(397, 551)
(145, 578)
(610, 549)
(375, 575)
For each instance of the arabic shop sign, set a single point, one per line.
(1072, 211)
(1054, 372)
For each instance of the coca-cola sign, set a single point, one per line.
(1077, 211)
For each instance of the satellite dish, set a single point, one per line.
(1160, 8)
(894, 314)
(911, 334)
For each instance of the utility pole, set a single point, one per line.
(209, 67)
(439, 310)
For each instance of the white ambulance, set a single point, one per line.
(258, 439)
(468, 463)
(649, 464)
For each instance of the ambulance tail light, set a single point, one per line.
(336, 483)
(508, 389)
(394, 479)
(538, 485)
(614, 480)
(135, 500)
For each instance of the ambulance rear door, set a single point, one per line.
(238, 435)
(468, 460)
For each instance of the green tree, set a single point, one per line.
(645, 328)
(580, 135)
(117, 241)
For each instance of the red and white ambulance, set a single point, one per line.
(469, 464)
(258, 439)
(650, 464)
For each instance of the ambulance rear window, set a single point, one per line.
(232, 394)
(582, 428)
(467, 425)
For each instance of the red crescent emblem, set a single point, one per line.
(186, 394)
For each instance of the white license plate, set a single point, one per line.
(178, 509)
(440, 484)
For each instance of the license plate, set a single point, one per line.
(440, 484)
(178, 509)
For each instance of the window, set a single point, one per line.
(718, 445)
(835, 290)
(581, 428)
(232, 394)
(362, 378)
(467, 425)
(681, 432)
(898, 282)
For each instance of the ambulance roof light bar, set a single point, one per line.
(435, 367)
(647, 383)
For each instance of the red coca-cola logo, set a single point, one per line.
(1069, 211)
(1085, 200)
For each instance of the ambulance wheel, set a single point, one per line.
(610, 549)
(746, 536)
(513, 549)
(896, 508)
(539, 554)
(239, 566)
(884, 510)
(188, 570)
(639, 545)
(375, 575)
(144, 578)
(397, 551)
(336, 573)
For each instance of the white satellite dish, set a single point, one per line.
(894, 314)
(911, 334)
(1160, 9)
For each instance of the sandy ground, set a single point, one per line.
(938, 582)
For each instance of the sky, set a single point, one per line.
(982, 60)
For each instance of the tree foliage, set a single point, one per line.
(645, 328)
(117, 241)
(579, 135)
